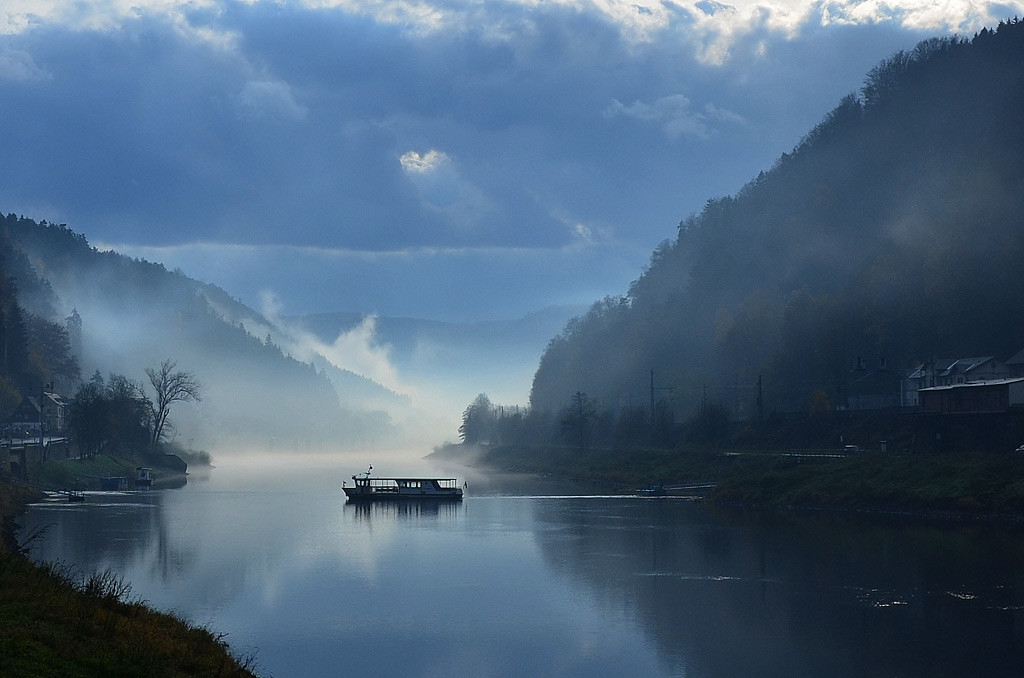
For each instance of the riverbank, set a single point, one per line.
(979, 485)
(168, 471)
(56, 622)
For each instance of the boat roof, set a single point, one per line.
(363, 477)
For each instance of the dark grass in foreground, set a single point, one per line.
(56, 623)
(969, 484)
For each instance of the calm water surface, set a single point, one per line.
(533, 579)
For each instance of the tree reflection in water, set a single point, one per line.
(762, 593)
(517, 583)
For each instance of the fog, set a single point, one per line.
(272, 382)
(890, 232)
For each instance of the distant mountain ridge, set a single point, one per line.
(893, 232)
(460, 358)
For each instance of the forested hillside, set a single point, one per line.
(894, 232)
(128, 315)
(34, 350)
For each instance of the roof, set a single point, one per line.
(427, 480)
(975, 384)
(944, 367)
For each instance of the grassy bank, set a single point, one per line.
(979, 484)
(975, 484)
(55, 622)
(85, 474)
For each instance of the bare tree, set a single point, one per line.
(170, 387)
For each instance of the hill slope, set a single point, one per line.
(894, 230)
(135, 313)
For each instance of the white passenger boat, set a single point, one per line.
(367, 488)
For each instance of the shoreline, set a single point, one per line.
(978, 487)
(86, 474)
(91, 624)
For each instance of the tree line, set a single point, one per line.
(34, 348)
(117, 416)
(893, 231)
(584, 422)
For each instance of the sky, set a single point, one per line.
(443, 159)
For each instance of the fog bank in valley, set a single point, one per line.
(273, 382)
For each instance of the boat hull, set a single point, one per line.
(354, 494)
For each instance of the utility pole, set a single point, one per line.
(42, 411)
(760, 399)
(670, 389)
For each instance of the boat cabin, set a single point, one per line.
(366, 487)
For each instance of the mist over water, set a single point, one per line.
(411, 198)
(531, 577)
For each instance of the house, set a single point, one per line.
(1015, 364)
(996, 395)
(27, 417)
(950, 372)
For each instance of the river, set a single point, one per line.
(533, 578)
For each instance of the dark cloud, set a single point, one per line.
(271, 124)
(451, 284)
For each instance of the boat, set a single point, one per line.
(367, 488)
(652, 491)
(114, 483)
(143, 478)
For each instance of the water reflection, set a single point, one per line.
(505, 585)
(390, 511)
(113, 528)
(734, 593)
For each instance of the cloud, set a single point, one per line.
(444, 191)
(18, 66)
(583, 233)
(271, 99)
(643, 21)
(922, 15)
(412, 161)
(450, 133)
(17, 16)
(457, 284)
(675, 116)
(356, 350)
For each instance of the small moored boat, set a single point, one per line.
(366, 488)
(143, 478)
